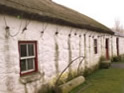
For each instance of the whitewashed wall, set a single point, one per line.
(51, 60)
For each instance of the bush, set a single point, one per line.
(119, 58)
(104, 63)
(46, 89)
(90, 70)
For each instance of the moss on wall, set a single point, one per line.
(56, 55)
(70, 54)
(80, 69)
(85, 52)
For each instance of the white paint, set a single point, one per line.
(9, 54)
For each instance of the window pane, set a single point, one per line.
(23, 65)
(95, 49)
(23, 50)
(30, 63)
(30, 49)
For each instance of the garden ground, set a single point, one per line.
(104, 81)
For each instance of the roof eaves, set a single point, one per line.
(36, 15)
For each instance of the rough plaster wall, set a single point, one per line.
(114, 46)
(91, 57)
(74, 48)
(121, 47)
(121, 43)
(62, 39)
(2, 60)
(53, 51)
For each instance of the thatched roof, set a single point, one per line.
(46, 10)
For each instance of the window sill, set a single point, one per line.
(31, 77)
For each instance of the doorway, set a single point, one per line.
(107, 48)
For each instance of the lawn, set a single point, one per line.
(103, 81)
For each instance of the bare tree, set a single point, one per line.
(118, 27)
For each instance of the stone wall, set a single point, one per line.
(57, 47)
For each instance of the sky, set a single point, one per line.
(103, 11)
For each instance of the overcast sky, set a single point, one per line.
(104, 11)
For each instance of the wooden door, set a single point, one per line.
(117, 46)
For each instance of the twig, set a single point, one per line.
(66, 68)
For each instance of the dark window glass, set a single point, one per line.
(23, 50)
(30, 63)
(95, 46)
(30, 50)
(23, 65)
(95, 50)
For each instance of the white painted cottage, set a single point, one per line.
(39, 38)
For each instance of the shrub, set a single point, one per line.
(46, 88)
(119, 58)
(104, 63)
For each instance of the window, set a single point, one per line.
(28, 56)
(95, 46)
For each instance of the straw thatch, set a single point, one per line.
(48, 11)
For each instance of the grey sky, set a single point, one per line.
(104, 11)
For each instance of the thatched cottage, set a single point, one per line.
(39, 38)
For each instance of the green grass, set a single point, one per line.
(103, 81)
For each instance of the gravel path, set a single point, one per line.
(117, 65)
